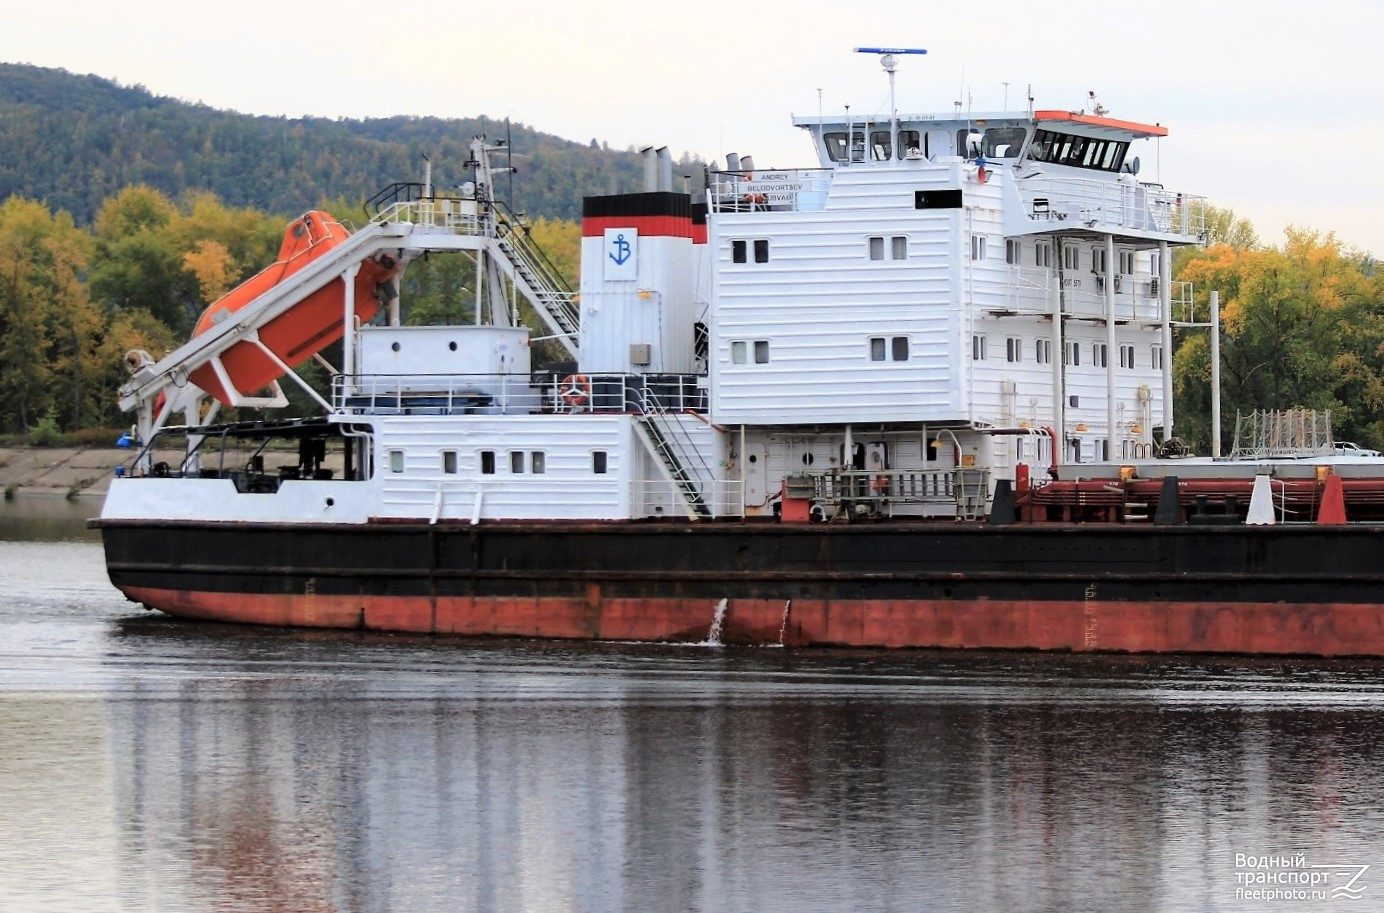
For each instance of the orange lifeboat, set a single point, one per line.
(304, 330)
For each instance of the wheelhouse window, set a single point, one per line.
(995, 142)
(879, 145)
(1074, 151)
(838, 149)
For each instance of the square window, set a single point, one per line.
(598, 462)
(900, 348)
(1012, 251)
(738, 351)
(538, 462)
(737, 251)
(449, 462)
(1014, 349)
(761, 351)
(899, 249)
(761, 251)
(516, 461)
(876, 348)
(487, 462)
(396, 461)
(876, 248)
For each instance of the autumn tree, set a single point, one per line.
(25, 389)
(1302, 326)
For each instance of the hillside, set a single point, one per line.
(73, 141)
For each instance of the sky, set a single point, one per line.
(1275, 109)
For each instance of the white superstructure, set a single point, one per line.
(936, 301)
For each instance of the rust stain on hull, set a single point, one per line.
(1325, 629)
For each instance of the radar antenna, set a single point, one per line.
(889, 61)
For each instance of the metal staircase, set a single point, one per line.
(677, 455)
(537, 278)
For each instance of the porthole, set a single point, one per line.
(394, 346)
(807, 459)
(452, 345)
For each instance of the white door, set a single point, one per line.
(756, 475)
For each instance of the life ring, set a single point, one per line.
(576, 390)
(879, 485)
(753, 199)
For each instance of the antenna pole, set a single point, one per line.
(890, 62)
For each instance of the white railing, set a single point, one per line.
(803, 189)
(1141, 207)
(454, 214)
(458, 394)
(434, 394)
(662, 498)
(922, 486)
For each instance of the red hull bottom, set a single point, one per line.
(1321, 629)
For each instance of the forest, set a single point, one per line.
(76, 141)
(122, 215)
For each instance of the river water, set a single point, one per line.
(149, 764)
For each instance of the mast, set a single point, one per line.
(889, 61)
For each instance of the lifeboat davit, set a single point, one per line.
(305, 329)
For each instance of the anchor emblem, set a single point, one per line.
(622, 251)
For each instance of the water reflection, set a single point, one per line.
(48, 518)
(518, 777)
(152, 764)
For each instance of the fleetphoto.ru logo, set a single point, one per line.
(1292, 877)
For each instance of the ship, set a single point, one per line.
(915, 394)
